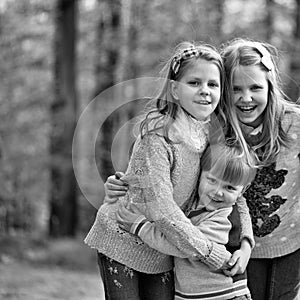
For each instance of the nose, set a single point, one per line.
(204, 90)
(219, 192)
(246, 97)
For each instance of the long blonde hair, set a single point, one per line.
(247, 53)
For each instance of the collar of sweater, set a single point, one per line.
(249, 130)
(188, 130)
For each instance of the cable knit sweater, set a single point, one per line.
(162, 177)
(274, 199)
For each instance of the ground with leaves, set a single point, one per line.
(52, 270)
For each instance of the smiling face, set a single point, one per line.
(250, 90)
(199, 89)
(215, 193)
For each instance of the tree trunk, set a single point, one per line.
(108, 36)
(269, 20)
(63, 201)
(293, 91)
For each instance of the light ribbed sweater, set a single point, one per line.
(162, 177)
(194, 279)
(274, 199)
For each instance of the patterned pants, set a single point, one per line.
(121, 282)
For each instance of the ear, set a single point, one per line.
(174, 87)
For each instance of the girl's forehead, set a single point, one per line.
(218, 176)
(203, 67)
(249, 73)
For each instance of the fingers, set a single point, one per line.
(232, 261)
(114, 187)
(123, 218)
(116, 184)
(110, 200)
(234, 270)
(122, 211)
(116, 194)
(122, 214)
(119, 217)
(119, 175)
(227, 272)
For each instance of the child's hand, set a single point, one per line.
(114, 187)
(239, 260)
(126, 216)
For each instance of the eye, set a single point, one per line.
(211, 179)
(236, 89)
(213, 84)
(194, 83)
(231, 188)
(256, 87)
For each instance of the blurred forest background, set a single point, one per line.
(57, 56)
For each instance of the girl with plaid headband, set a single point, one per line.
(162, 175)
(271, 125)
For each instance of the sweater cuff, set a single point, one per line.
(138, 224)
(217, 256)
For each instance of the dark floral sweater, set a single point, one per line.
(274, 199)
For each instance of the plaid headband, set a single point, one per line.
(265, 56)
(185, 54)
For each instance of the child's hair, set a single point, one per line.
(229, 163)
(163, 107)
(247, 53)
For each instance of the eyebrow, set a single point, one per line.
(198, 78)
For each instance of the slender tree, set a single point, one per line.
(293, 90)
(63, 201)
(108, 49)
(269, 20)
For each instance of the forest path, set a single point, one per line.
(22, 281)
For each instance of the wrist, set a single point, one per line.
(246, 244)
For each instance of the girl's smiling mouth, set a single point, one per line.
(203, 102)
(246, 108)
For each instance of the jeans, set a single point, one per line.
(276, 278)
(121, 282)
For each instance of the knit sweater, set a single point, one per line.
(274, 199)
(162, 177)
(194, 279)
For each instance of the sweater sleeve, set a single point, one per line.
(216, 228)
(153, 237)
(245, 219)
(151, 189)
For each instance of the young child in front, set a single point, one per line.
(162, 174)
(225, 175)
(271, 125)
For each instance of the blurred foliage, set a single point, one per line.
(26, 67)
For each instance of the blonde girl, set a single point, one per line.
(271, 125)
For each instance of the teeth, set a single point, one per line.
(215, 199)
(203, 102)
(247, 107)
